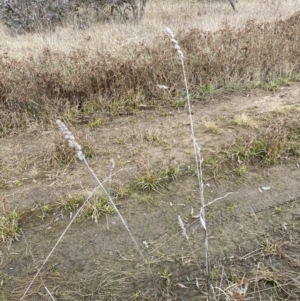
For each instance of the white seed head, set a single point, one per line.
(175, 42)
(170, 32)
(181, 224)
(72, 142)
(163, 87)
(111, 163)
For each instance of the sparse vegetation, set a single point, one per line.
(122, 90)
(72, 203)
(120, 85)
(212, 127)
(275, 140)
(34, 15)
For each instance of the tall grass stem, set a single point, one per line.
(198, 158)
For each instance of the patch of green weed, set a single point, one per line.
(95, 123)
(97, 207)
(150, 181)
(9, 226)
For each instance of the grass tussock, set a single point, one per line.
(271, 141)
(150, 180)
(275, 140)
(98, 207)
(245, 120)
(52, 83)
(9, 226)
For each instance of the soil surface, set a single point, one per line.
(253, 232)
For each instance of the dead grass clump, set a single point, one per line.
(255, 53)
(245, 120)
(212, 126)
(59, 153)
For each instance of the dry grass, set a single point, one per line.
(116, 68)
(52, 81)
(245, 121)
(211, 126)
(121, 40)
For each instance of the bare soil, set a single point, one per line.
(253, 232)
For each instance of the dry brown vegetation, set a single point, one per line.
(45, 84)
(93, 79)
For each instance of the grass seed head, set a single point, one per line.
(70, 138)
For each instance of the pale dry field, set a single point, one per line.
(121, 39)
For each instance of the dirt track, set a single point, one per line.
(98, 261)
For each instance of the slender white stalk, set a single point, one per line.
(198, 157)
(218, 199)
(58, 241)
(49, 293)
(29, 250)
(68, 135)
(183, 229)
(77, 147)
(114, 206)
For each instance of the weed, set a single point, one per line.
(95, 123)
(45, 210)
(97, 207)
(91, 108)
(270, 86)
(213, 275)
(267, 148)
(278, 210)
(152, 136)
(215, 164)
(60, 152)
(72, 203)
(180, 103)
(53, 269)
(122, 191)
(121, 163)
(9, 226)
(269, 248)
(171, 170)
(121, 140)
(88, 148)
(207, 89)
(166, 275)
(241, 170)
(150, 181)
(148, 200)
(8, 184)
